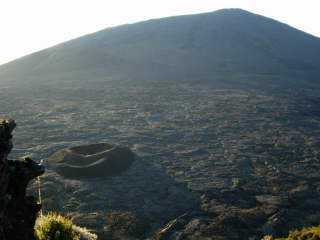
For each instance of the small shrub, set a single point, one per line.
(56, 227)
(236, 182)
(311, 233)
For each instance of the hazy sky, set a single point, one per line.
(27, 26)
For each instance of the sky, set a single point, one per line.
(28, 26)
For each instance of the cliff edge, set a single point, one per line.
(18, 212)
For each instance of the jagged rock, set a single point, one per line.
(94, 160)
(22, 172)
(172, 228)
(274, 223)
(272, 200)
(18, 212)
(187, 226)
(125, 225)
(299, 193)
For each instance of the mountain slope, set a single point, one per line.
(193, 47)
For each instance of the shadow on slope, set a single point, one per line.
(144, 190)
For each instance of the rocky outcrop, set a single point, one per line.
(93, 160)
(18, 212)
(194, 225)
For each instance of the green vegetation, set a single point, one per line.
(56, 227)
(311, 233)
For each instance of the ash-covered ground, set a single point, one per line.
(239, 163)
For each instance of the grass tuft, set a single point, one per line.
(56, 227)
(311, 233)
